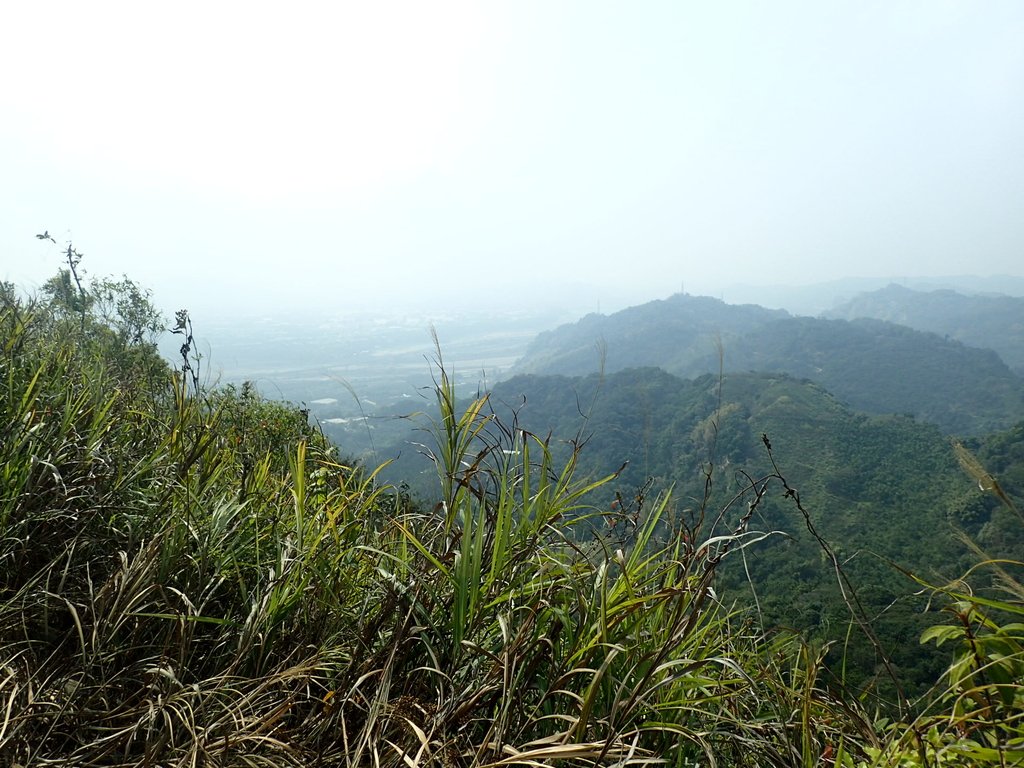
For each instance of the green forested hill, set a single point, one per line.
(874, 366)
(881, 367)
(985, 321)
(676, 333)
(866, 476)
(883, 490)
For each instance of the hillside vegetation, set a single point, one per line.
(981, 320)
(874, 366)
(194, 576)
(676, 334)
(871, 484)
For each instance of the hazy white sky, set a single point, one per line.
(362, 154)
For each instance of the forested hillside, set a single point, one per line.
(981, 320)
(874, 366)
(871, 484)
(676, 334)
(881, 367)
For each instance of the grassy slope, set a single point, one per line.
(195, 577)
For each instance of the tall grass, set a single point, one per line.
(975, 714)
(196, 577)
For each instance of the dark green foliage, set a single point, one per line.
(873, 484)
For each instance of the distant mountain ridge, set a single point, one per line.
(875, 366)
(982, 320)
(677, 334)
(817, 298)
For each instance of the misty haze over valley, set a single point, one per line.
(360, 374)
